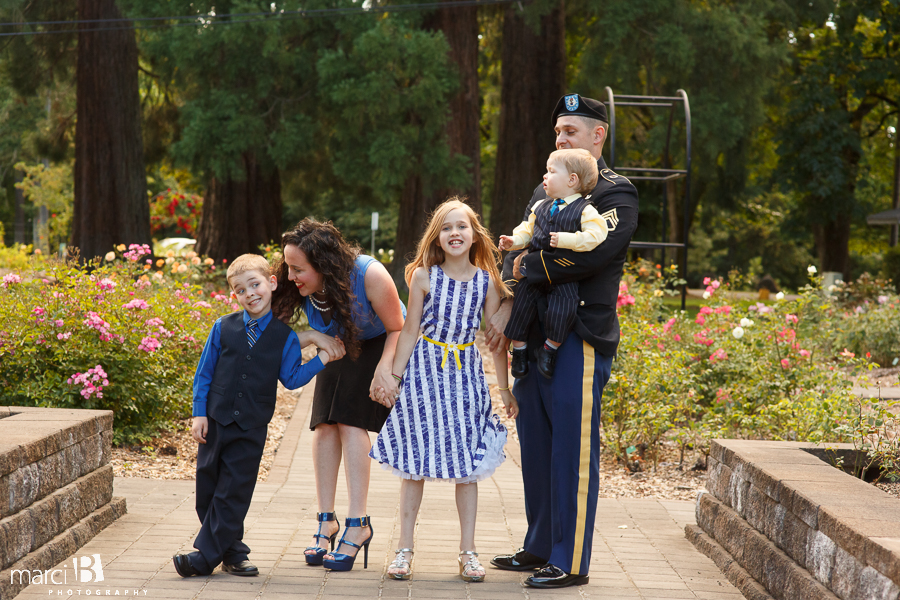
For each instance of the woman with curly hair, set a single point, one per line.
(349, 296)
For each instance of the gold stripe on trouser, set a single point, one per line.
(584, 464)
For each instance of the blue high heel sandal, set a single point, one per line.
(316, 559)
(344, 562)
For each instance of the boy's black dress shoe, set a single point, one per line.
(546, 361)
(183, 566)
(519, 366)
(245, 568)
(520, 561)
(553, 577)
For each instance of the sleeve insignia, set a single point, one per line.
(612, 219)
(564, 262)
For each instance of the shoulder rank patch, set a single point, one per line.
(612, 219)
(611, 176)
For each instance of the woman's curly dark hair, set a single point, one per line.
(333, 258)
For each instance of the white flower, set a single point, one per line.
(779, 296)
(745, 322)
(738, 333)
(811, 269)
(110, 256)
(831, 288)
(706, 295)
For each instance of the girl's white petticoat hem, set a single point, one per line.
(494, 441)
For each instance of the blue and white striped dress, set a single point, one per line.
(441, 427)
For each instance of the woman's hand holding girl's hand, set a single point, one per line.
(383, 380)
(509, 401)
(392, 393)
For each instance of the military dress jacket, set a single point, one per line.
(598, 271)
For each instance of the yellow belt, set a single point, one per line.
(447, 348)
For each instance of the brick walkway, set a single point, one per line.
(648, 559)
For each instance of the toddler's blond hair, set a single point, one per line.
(581, 163)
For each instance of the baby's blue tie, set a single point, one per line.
(555, 208)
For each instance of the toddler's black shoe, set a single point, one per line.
(546, 361)
(519, 367)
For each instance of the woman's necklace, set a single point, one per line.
(319, 305)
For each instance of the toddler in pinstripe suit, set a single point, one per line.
(566, 219)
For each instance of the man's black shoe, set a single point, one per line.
(245, 568)
(520, 561)
(553, 577)
(183, 565)
(519, 366)
(546, 361)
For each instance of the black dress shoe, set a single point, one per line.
(245, 568)
(546, 361)
(553, 577)
(183, 566)
(519, 366)
(520, 561)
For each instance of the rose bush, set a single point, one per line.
(747, 370)
(113, 335)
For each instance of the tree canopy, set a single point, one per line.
(283, 114)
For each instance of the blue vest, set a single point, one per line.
(245, 382)
(568, 220)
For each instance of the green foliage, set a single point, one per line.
(751, 371)
(144, 332)
(388, 97)
(18, 256)
(51, 187)
(890, 267)
(873, 429)
(863, 320)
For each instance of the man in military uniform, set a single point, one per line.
(559, 418)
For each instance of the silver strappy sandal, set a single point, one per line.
(400, 562)
(466, 568)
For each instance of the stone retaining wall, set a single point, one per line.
(781, 523)
(55, 487)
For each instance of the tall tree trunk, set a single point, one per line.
(19, 222)
(895, 204)
(110, 183)
(415, 205)
(532, 81)
(832, 244)
(460, 28)
(238, 216)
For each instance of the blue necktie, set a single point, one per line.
(252, 331)
(555, 208)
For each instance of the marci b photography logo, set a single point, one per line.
(87, 569)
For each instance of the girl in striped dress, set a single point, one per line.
(441, 427)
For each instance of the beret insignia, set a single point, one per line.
(571, 102)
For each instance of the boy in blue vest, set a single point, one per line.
(246, 355)
(566, 219)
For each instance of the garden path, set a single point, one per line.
(640, 551)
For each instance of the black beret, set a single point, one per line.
(576, 104)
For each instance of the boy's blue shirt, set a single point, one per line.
(293, 372)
